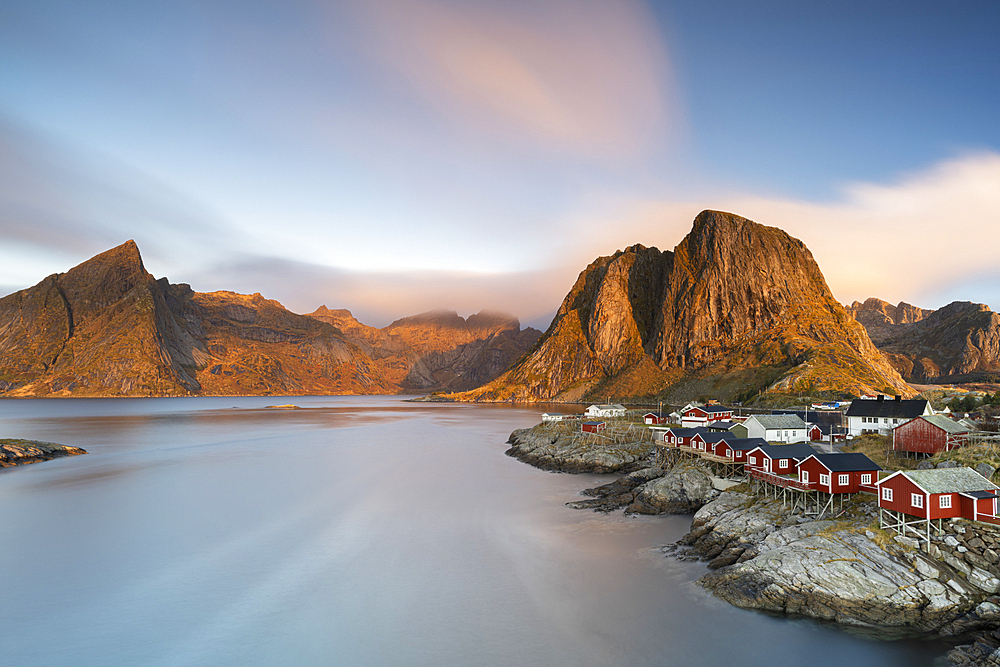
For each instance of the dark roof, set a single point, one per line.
(904, 409)
(687, 432)
(593, 423)
(827, 429)
(661, 415)
(798, 451)
(981, 495)
(745, 444)
(717, 436)
(846, 462)
(720, 426)
(711, 408)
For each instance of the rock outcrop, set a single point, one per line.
(108, 328)
(957, 343)
(842, 571)
(738, 305)
(563, 450)
(14, 452)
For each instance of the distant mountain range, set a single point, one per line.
(108, 328)
(735, 309)
(957, 343)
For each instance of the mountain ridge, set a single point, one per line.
(106, 327)
(959, 342)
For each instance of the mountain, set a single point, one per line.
(734, 309)
(957, 343)
(438, 350)
(108, 328)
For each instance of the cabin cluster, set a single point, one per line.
(773, 453)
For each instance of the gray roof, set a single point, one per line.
(779, 421)
(946, 424)
(949, 480)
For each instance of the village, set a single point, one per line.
(798, 456)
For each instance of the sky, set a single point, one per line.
(398, 156)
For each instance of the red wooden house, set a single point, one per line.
(594, 426)
(815, 433)
(839, 473)
(656, 418)
(680, 437)
(941, 493)
(929, 434)
(778, 459)
(707, 440)
(703, 414)
(735, 449)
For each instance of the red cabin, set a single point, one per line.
(815, 433)
(929, 434)
(680, 437)
(778, 459)
(655, 418)
(839, 473)
(706, 441)
(704, 414)
(594, 427)
(735, 449)
(941, 493)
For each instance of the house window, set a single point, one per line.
(916, 500)
(783, 463)
(866, 479)
(843, 480)
(944, 502)
(805, 476)
(824, 480)
(753, 460)
(886, 493)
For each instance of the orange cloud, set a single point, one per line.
(589, 78)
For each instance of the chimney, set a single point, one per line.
(899, 398)
(881, 397)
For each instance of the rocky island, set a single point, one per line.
(15, 452)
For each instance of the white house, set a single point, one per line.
(881, 415)
(606, 410)
(777, 428)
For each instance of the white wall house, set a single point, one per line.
(606, 410)
(881, 415)
(777, 428)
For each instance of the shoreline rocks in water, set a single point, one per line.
(15, 452)
(844, 571)
(564, 450)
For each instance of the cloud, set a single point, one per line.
(378, 298)
(588, 79)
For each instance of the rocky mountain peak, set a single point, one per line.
(732, 297)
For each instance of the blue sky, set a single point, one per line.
(394, 156)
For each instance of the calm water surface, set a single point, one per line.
(357, 531)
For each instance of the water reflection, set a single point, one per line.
(355, 531)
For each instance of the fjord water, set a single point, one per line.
(356, 531)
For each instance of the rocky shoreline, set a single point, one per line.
(15, 452)
(761, 556)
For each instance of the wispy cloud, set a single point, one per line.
(589, 79)
(59, 206)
